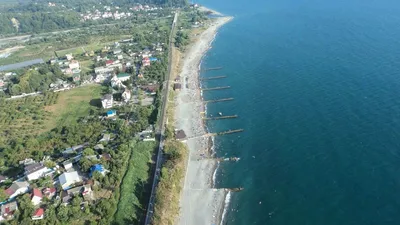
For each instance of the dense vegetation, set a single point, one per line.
(170, 185)
(37, 17)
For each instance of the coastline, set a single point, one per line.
(200, 202)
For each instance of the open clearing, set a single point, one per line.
(72, 104)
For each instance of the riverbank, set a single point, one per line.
(200, 203)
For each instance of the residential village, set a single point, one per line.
(58, 180)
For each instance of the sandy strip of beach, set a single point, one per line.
(200, 203)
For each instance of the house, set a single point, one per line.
(35, 171)
(67, 179)
(106, 138)
(75, 191)
(180, 135)
(150, 88)
(123, 77)
(178, 79)
(17, 188)
(65, 197)
(87, 193)
(153, 59)
(120, 57)
(76, 77)
(74, 64)
(116, 83)
(103, 70)
(106, 156)
(38, 214)
(8, 209)
(99, 168)
(126, 95)
(2, 179)
(111, 113)
(107, 101)
(177, 86)
(69, 56)
(49, 192)
(67, 164)
(99, 147)
(117, 51)
(109, 62)
(145, 61)
(37, 196)
(27, 161)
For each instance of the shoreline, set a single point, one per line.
(200, 202)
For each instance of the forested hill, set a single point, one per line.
(36, 16)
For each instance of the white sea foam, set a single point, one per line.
(226, 206)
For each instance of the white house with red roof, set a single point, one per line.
(49, 192)
(36, 197)
(38, 214)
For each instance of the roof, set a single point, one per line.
(36, 192)
(99, 146)
(65, 196)
(97, 167)
(47, 191)
(106, 156)
(120, 75)
(9, 207)
(39, 212)
(15, 186)
(177, 86)
(68, 177)
(2, 178)
(66, 162)
(107, 96)
(180, 134)
(109, 62)
(33, 168)
(110, 112)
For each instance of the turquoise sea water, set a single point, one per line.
(317, 88)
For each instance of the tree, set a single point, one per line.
(3, 195)
(88, 152)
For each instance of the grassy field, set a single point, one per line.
(73, 104)
(133, 184)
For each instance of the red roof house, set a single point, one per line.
(39, 214)
(109, 62)
(36, 196)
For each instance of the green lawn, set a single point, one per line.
(132, 196)
(73, 104)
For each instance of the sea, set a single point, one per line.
(316, 86)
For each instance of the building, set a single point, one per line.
(177, 86)
(87, 192)
(69, 56)
(67, 164)
(65, 197)
(109, 62)
(106, 138)
(75, 191)
(111, 113)
(76, 77)
(2, 179)
(97, 168)
(74, 64)
(35, 171)
(126, 95)
(8, 209)
(103, 70)
(49, 192)
(117, 51)
(145, 61)
(116, 83)
(38, 214)
(36, 197)
(180, 135)
(107, 101)
(17, 188)
(67, 179)
(123, 77)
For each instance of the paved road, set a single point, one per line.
(161, 128)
